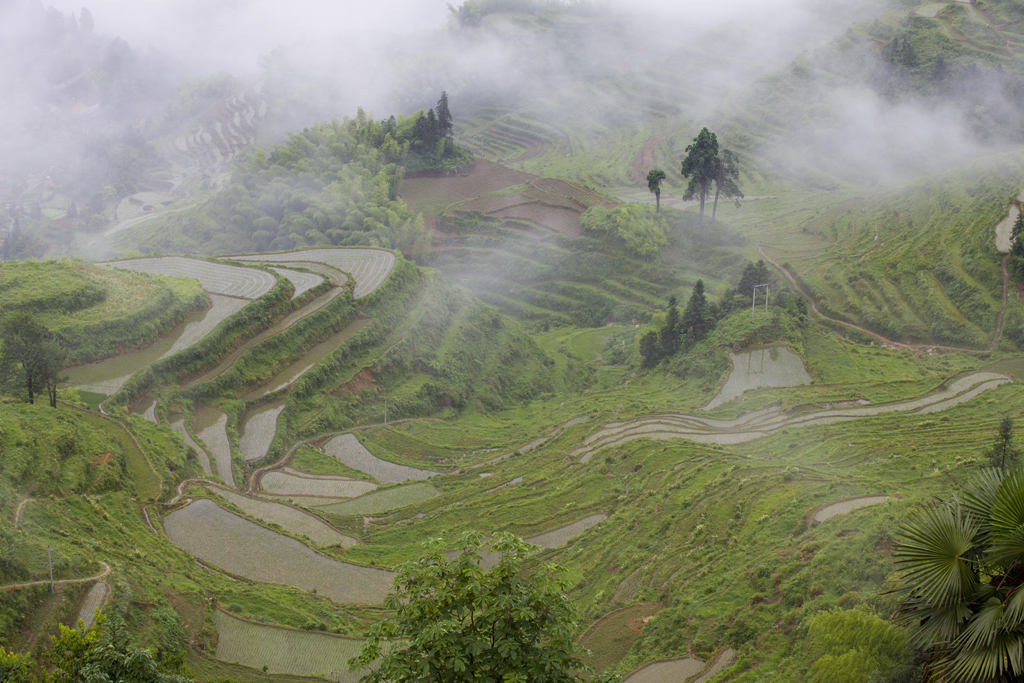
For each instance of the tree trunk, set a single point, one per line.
(714, 207)
(657, 202)
(703, 196)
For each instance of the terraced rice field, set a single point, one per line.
(674, 671)
(301, 484)
(349, 451)
(368, 267)
(287, 517)
(724, 660)
(770, 420)
(280, 326)
(775, 366)
(610, 638)
(847, 506)
(108, 376)
(291, 374)
(147, 409)
(257, 431)
(216, 278)
(178, 425)
(284, 650)
(196, 330)
(303, 281)
(247, 549)
(562, 535)
(211, 428)
(94, 600)
(384, 501)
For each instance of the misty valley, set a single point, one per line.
(518, 340)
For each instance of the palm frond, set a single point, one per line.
(932, 551)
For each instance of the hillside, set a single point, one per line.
(298, 355)
(97, 312)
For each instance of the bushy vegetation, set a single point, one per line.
(339, 183)
(95, 311)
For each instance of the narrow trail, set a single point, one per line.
(20, 509)
(102, 574)
(1002, 309)
(889, 342)
(131, 436)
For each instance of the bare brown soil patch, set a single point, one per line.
(103, 459)
(644, 159)
(363, 378)
(485, 177)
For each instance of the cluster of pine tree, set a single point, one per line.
(681, 331)
(338, 184)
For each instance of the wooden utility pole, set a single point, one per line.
(49, 561)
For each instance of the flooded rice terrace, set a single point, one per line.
(773, 366)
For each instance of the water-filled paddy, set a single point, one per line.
(211, 428)
(241, 547)
(303, 281)
(285, 651)
(108, 376)
(290, 484)
(368, 267)
(349, 451)
(289, 518)
(178, 425)
(293, 372)
(216, 278)
(384, 501)
(257, 430)
(775, 366)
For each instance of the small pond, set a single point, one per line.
(772, 366)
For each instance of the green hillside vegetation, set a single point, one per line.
(548, 355)
(97, 311)
(336, 183)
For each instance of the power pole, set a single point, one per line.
(49, 561)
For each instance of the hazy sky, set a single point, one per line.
(232, 34)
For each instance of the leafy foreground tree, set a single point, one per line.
(701, 167)
(98, 654)
(963, 568)
(456, 621)
(30, 356)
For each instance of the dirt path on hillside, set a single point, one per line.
(1002, 309)
(102, 574)
(644, 159)
(20, 509)
(888, 343)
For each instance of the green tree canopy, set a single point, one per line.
(455, 621)
(654, 179)
(30, 356)
(1004, 452)
(856, 645)
(644, 233)
(727, 172)
(701, 166)
(961, 563)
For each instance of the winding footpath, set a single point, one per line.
(97, 577)
(889, 342)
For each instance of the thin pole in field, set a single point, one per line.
(385, 411)
(49, 561)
